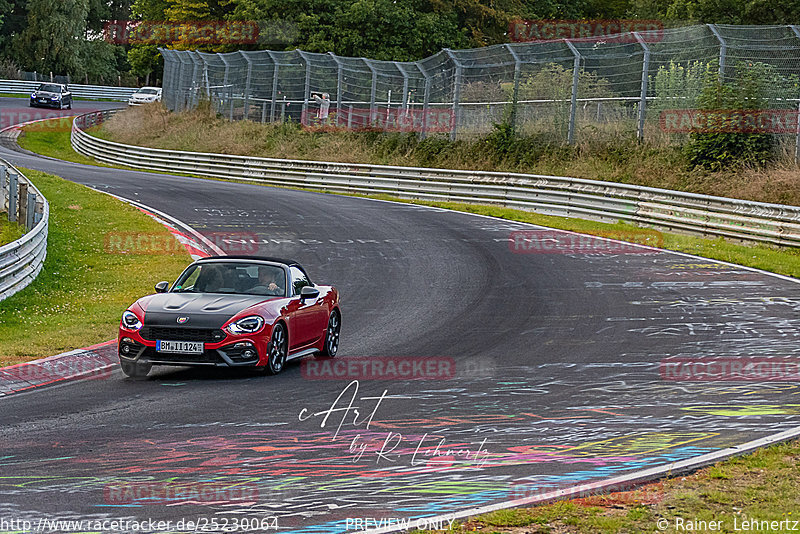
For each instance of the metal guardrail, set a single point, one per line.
(93, 92)
(743, 220)
(21, 260)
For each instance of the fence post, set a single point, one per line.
(275, 68)
(402, 70)
(13, 191)
(796, 31)
(797, 137)
(426, 99)
(306, 90)
(573, 108)
(456, 94)
(643, 96)
(723, 49)
(195, 88)
(207, 84)
(515, 92)
(225, 89)
(373, 90)
(247, 84)
(339, 80)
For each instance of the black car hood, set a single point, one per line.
(203, 310)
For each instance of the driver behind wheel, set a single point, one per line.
(270, 282)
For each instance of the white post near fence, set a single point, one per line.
(573, 107)
(643, 95)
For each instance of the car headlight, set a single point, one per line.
(33, 95)
(55, 97)
(130, 321)
(246, 325)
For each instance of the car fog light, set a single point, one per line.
(126, 349)
(249, 354)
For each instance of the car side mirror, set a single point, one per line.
(162, 287)
(308, 292)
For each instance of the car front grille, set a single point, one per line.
(208, 335)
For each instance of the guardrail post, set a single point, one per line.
(643, 95)
(3, 187)
(339, 79)
(13, 191)
(723, 49)
(515, 92)
(247, 84)
(31, 211)
(38, 211)
(573, 108)
(456, 94)
(22, 211)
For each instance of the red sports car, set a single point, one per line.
(231, 311)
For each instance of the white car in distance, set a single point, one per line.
(145, 95)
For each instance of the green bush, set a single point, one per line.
(750, 89)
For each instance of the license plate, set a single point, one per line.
(43, 101)
(180, 347)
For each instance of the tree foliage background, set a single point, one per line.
(66, 36)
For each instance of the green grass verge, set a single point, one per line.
(52, 141)
(9, 231)
(785, 261)
(82, 290)
(761, 486)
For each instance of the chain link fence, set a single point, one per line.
(565, 89)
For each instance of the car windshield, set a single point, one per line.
(49, 88)
(148, 91)
(240, 278)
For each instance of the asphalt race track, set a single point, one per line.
(549, 372)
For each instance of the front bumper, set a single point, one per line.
(233, 351)
(49, 104)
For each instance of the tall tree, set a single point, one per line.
(53, 37)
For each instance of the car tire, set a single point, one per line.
(331, 345)
(277, 350)
(70, 104)
(137, 371)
